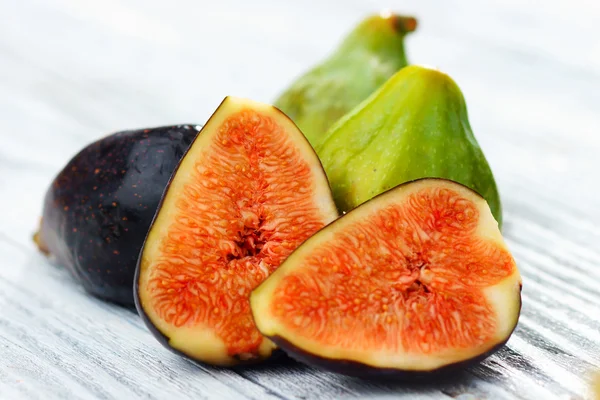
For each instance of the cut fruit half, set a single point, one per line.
(249, 190)
(418, 279)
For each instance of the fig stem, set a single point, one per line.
(405, 24)
(37, 239)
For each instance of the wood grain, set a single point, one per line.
(73, 70)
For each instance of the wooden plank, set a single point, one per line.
(57, 341)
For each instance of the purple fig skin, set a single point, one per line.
(98, 209)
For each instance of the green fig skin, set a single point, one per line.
(371, 53)
(414, 126)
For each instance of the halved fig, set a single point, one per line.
(414, 281)
(249, 190)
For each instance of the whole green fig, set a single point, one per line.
(414, 126)
(371, 53)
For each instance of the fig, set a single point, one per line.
(247, 193)
(412, 283)
(98, 209)
(370, 54)
(415, 126)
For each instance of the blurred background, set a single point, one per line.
(72, 71)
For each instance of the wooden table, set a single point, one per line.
(74, 70)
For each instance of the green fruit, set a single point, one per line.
(414, 126)
(367, 57)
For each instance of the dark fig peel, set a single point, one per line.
(98, 209)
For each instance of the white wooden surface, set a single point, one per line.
(74, 70)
